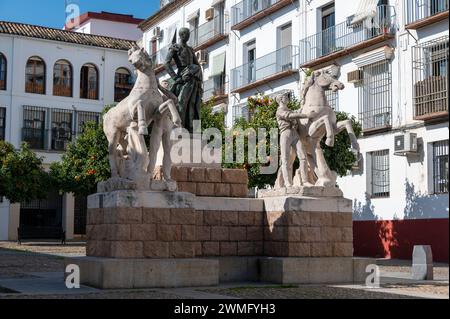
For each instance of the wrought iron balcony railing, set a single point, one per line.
(283, 60)
(422, 9)
(214, 87)
(346, 35)
(430, 76)
(213, 29)
(249, 8)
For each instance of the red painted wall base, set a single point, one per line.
(396, 238)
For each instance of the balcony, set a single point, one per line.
(159, 58)
(215, 88)
(248, 12)
(208, 34)
(271, 67)
(346, 38)
(430, 76)
(420, 13)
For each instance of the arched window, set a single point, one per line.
(89, 82)
(123, 84)
(2, 72)
(35, 76)
(62, 78)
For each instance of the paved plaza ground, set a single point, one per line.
(35, 270)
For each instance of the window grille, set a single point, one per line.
(375, 96)
(380, 174)
(440, 167)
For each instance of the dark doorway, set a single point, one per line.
(80, 215)
(42, 216)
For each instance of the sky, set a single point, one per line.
(51, 13)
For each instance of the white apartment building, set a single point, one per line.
(394, 63)
(121, 26)
(51, 82)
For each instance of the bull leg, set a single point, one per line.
(167, 147)
(155, 142)
(347, 125)
(113, 142)
(169, 106)
(142, 122)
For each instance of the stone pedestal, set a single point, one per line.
(308, 227)
(147, 239)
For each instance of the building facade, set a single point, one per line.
(121, 26)
(52, 82)
(394, 63)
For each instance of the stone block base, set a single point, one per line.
(209, 182)
(107, 273)
(314, 270)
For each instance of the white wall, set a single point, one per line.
(305, 17)
(17, 50)
(112, 29)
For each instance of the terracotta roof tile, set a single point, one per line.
(34, 31)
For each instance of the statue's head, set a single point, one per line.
(139, 58)
(184, 34)
(329, 79)
(283, 98)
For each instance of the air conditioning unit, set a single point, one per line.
(156, 33)
(209, 14)
(405, 144)
(355, 76)
(202, 56)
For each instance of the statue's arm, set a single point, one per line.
(291, 115)
(168, 64)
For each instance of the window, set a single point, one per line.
(333, 99)
(35, 76)
(62, 121)
(250, 58)
(2, 123)
(430, 66)
(62, 79)
(2, 72)
(33, 130)
(379, 175)
(375, 96)
(89, 82)
(85, 117)
(328, 30)
(440, 167)
(122, 85)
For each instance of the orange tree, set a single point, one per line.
(22, 177)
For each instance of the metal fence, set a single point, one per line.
(430, 77)
(440, 167)
(61, 129)
(380, 174)
(375, 96)
(346, 34)
(416, 10)
(284, 59)
(247, 8)
(64, 126)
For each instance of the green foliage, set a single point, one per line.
(211, 119)
(85, 162)
(22, 177)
